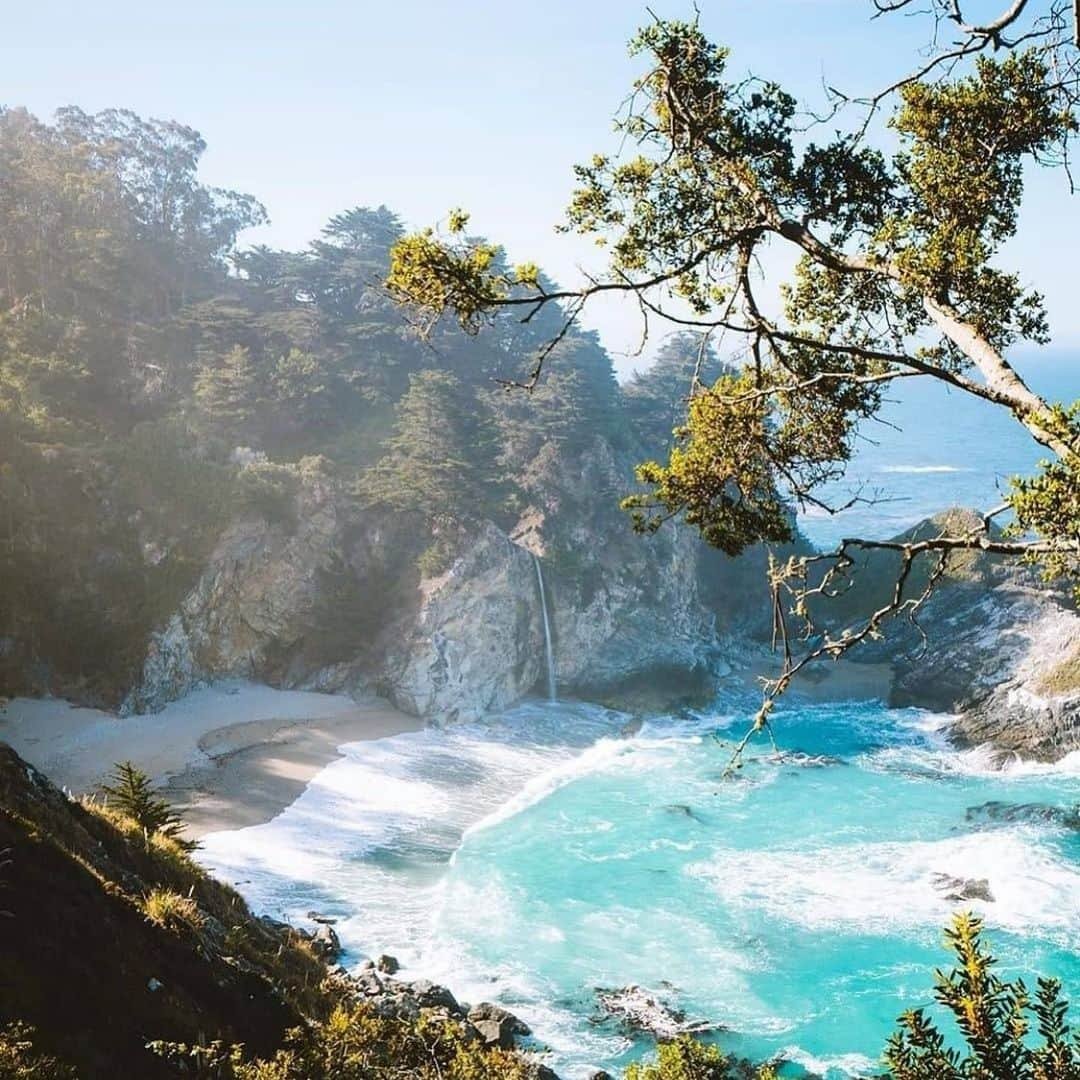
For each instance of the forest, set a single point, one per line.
(157, 378)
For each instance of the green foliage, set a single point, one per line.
(440, 460)
(134, 364)
(172, 911)
(20, 1061)
(269, 490)
(994, 1018)
(718, 477)
(447, 277)
(230, 392)
(132, 793)
(897, 275)
(657, 399)
(688, 1059)
(356, 1043)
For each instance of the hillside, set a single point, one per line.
(247, 462)
(114, 939)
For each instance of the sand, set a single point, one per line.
(228, 756)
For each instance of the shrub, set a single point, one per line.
(172, 911)
(268, 490)
(355, 1043)
(688, 1059)
(133, 795)
(19, 1060)
(993, 1016)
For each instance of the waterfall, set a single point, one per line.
(549, 656)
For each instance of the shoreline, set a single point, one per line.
(226, 757)
(236, 754)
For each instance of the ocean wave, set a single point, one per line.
(547, 783)
(917, 469)
(831, 1068)
(884, 887)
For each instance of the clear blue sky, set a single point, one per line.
(320, 105)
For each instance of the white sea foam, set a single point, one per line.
(597, 757)
(427, 845)
(919, 469)
(888, 887)
(831, 1068)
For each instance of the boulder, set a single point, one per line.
(388, 965)
(496, 1026)
(639, 1010)
(959, 889)
(325, 942)
(432, 996)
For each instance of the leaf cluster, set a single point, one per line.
(1007, 1034)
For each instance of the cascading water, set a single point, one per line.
(549, 656)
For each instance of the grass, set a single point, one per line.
(171, 911)
(1064, 678)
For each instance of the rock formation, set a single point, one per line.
(333, 599)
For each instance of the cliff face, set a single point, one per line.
(333, 599)
(1001, 651)
(1007, 661)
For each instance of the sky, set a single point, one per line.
(426, 105)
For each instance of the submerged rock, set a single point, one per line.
(956, 888)
(804, 760)
(995, 813)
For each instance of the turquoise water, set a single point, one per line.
(543, 854)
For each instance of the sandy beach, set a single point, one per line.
(227, 756)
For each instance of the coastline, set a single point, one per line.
(227, 756)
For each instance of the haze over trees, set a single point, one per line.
(899, 275)
(156, 380)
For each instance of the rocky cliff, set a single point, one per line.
(1001, 651)
(332, 597)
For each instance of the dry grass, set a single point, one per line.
(171, 911)
(1062, 679)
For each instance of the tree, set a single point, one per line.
(133, 795)
(688, 1059)
(440, 460)
(994, 1017)
(656, 399)
(230, 392)
(898, 277)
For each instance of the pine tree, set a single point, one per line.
(656, 399)
(132, 794)
(229, 393)
(440, 460)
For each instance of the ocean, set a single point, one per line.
(548, 852)
(932, 448)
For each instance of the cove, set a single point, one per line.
(537, 856)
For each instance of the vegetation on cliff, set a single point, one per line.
(156, 382)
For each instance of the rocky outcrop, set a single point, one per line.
(1001, 651)
(332, 598)
(253, 604)
(629, 608)
(638, 1010)
(476, 642)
